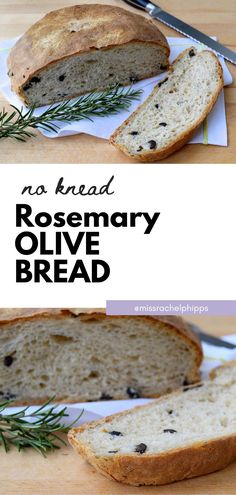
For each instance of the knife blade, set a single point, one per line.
(211, 339)
(161, 15)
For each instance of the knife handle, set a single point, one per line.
(139, 4)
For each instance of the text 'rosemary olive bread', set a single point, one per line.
(82, 48)
(88, 357)
(182, 435)
(175, 108)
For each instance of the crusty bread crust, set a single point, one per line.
(171, 323)
(156, 155)
(92, 27)
(198, 460)
(158, 469)
(227, 364)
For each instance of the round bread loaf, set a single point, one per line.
(82, 48)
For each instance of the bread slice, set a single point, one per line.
(85, 357)
(174, 110)
(82, 48)
(181, 435)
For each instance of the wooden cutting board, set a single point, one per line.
(214, 17)
(64, 473)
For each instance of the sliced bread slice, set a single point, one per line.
(181, 435)
(91, 356)
(174, 110)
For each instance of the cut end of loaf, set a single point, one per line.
(179, 436)
(94, 357)
(96, 70)
(174, 110)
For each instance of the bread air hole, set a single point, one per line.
(61, 338)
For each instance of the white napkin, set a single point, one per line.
(73, 412)
(213, 131)
(213, 356)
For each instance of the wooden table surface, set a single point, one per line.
(65, 473)
(214, 17)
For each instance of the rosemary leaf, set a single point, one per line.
(17, 125)
(38, 430)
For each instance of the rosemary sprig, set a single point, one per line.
(16, 124)
(36, 429)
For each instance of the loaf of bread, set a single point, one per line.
(181, 435)
(91, 356)
(82, 48)
(174, 110)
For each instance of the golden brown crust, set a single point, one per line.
(157, 155)
(73, 30)
(12, 314)
(158, 469)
